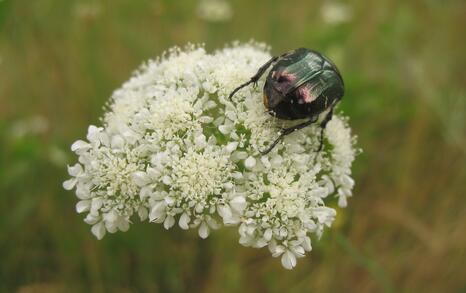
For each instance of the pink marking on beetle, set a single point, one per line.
(306, 95)
(285, 77)
(284, 80)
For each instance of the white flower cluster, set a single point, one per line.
(214, 10)
(173, 149)
(336, 12)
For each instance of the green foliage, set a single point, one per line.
(404, 68)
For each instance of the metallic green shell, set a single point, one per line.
(302, 83)
(311, 68)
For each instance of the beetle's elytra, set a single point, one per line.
(301, 84)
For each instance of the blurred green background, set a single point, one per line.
(404, 67)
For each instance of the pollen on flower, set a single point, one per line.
(175, 151)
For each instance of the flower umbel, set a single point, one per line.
(174, 150)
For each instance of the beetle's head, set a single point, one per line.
(272, 96)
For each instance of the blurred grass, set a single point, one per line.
(404, 67)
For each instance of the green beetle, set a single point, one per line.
(301, 84)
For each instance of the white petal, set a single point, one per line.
(209, 105)
(276, 250)
(140, 178)
(242, 229)
(283, 232)
(230, 115)
(246, 241)
(153, 173)
(129, 135)
(329, 184)
(231, 146)
(103, 137)
(276, 160)
(199, 208)
(225, 129)
(239, 155)
(80, 145)
(212, 223)
(169, 200)
(145, 191)
(93, 133)
(205, 119)
(344, 192)
(232, 221)
(268, 234)
(321, 192)
(212, 140)
(157, 213)
(298, 251)
(96, 204)
(228, 185)
(91, 219)
(238, 204)
(307, 244)
(159, 195)
(295, 148)
(83, 191)
(70, 183)
(234, 135)
(184, 221)
(83, 206)
(250, 229)
(200, 141)
(143, 213)
(75, 170)
(224, 211)
(169, 222)
(347, 181)
(250, 162)
(92, 129)
(98, 230)
(237, 175)
(117, 142)
(111, 227)
(260, 243)
(203, 230)
(265, 161)
(110, 217)
(342, 201)
(288, 260)
(123, 225)
(166, 180)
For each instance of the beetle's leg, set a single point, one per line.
(287, 131)
(255, 78)
(323, 124)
